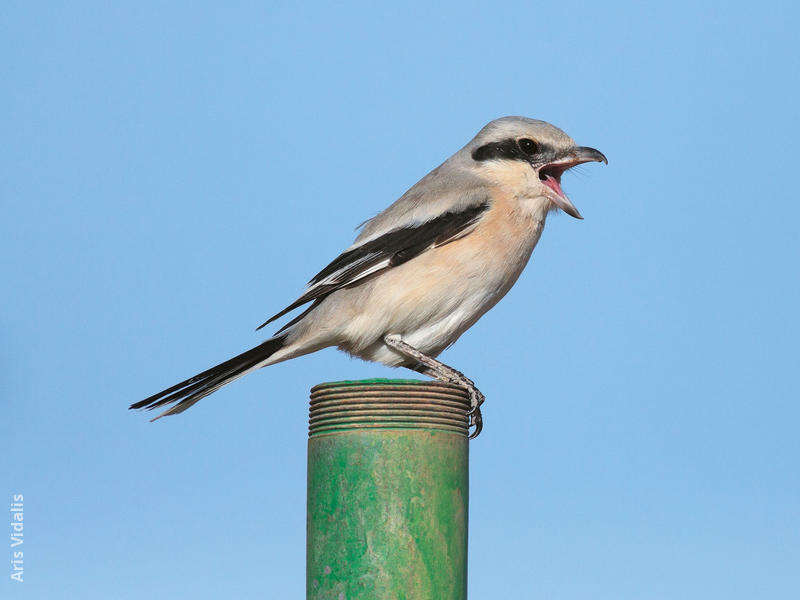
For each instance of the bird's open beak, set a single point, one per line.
(550, 174)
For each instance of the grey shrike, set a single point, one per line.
(424, 270)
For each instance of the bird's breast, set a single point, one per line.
(432, 299)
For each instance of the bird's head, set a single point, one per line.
(530, 156)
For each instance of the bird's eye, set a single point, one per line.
(528, 146)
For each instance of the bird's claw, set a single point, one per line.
(475, 420)
(475, 417)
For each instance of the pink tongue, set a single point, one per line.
(554, 185)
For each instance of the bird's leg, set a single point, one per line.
(431, 367)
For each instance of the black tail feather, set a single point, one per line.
(187, 392)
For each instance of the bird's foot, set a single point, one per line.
(432, 367)
(476, 398)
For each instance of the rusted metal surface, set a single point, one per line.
(387, 403)
(387, 491)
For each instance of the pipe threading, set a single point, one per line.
(388, 404)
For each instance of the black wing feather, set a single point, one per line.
(398, 245)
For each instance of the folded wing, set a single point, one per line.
(386, 251)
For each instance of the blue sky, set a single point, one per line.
(172, 174)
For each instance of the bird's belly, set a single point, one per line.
(431, 300)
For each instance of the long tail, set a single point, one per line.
(186, 393)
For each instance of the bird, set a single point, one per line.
(425, 269)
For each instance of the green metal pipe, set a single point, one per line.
(388, 486)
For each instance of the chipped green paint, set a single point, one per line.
(387, 507)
